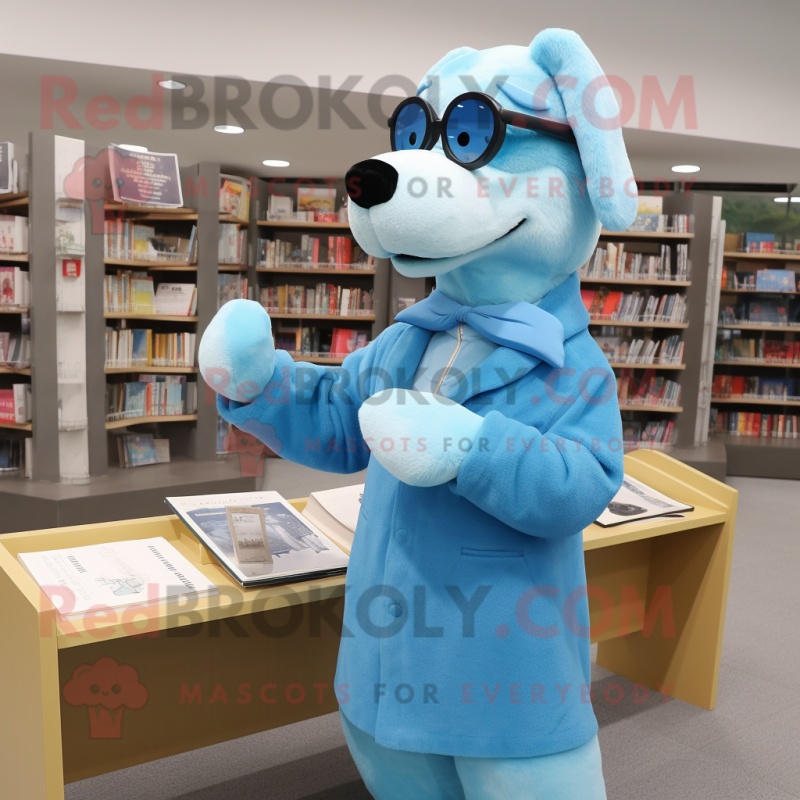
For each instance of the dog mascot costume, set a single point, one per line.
(488, 421)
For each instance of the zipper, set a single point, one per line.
(452, 359)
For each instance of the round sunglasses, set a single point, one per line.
(472, 128)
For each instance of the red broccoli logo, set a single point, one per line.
(106, 689)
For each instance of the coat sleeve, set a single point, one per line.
(309, 413)
(555, 481)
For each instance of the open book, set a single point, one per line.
(335, 512)
(636, 501)
(300, 551)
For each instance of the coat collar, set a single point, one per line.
(505, 365)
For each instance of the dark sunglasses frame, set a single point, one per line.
(436, 127)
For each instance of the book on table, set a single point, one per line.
(635, 502)
(300, 550)
(116, 575)
(335, 512)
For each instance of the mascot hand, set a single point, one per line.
(419, 437)
(237, 353)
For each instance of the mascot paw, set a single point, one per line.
(237, 352)
(419, 437)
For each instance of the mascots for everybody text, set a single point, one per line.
(488, 422)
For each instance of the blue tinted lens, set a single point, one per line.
(469, 129)
(410, 127)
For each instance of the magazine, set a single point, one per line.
(115, 575)
(637, 501)
(300, 551)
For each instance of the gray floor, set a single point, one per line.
(746, 749)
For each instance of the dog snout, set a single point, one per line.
(370, 183)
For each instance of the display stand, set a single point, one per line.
(249, 661)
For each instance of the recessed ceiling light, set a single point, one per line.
(275, 162)
(228, 129)
(174, 85)
(137, 148)
(686, 168)
(781, 199)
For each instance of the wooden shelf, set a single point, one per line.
(622, 365)
(124, 423)
(5, 199)
(14, 309)
(158, 317)
(235, 220)
(617, 324)
(646, 235)
(756, 291)
(316, 271)
(756, 401)
(636, 282)
(231, 268)
(740, 326)
(153, 370)
(130, 208)
(269, 223)
(137, 264)
(755, 441)
(22, 258)
(735, 254)
(667, 409)
(16, 201)
(14, 371)
(24, 426)
(318, 360)
(321, 316)
(754, 362)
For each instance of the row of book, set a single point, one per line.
(232, 247)
(15, 456)
(612, 262)
(151, 396)
(231, 286)
(15, 287)
(141, 347)
(15, 350)
(314, 204)
(337, 251)
(657, 434)
(604, 304)
(132, 292)
(655, 391)
(13, 234)
(771, 351)
(141, 449)
(658, 223)
(642, 351)
(753, 423)
(16, 404)
(127, 239)
(753, 386)
(762, 280)
(752, 242)
(301, 340)
(324, 298)
(767, 311)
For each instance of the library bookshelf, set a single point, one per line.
(14, 321)
(758, 428)
(642, 421)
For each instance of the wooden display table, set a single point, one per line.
(85, 698)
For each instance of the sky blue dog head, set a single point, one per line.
(517, 227)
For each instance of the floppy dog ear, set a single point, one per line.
(593, 114)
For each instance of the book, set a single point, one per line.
(13, 234)
(110, 577)
(335, 512)
(637, 501)
(136, 450)
(7, 167)
(177, 299)
(300, 550)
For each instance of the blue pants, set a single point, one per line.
(398, 774)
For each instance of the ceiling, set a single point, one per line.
(318, 149)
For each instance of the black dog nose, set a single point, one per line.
(371, 182)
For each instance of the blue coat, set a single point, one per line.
(466, 619)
